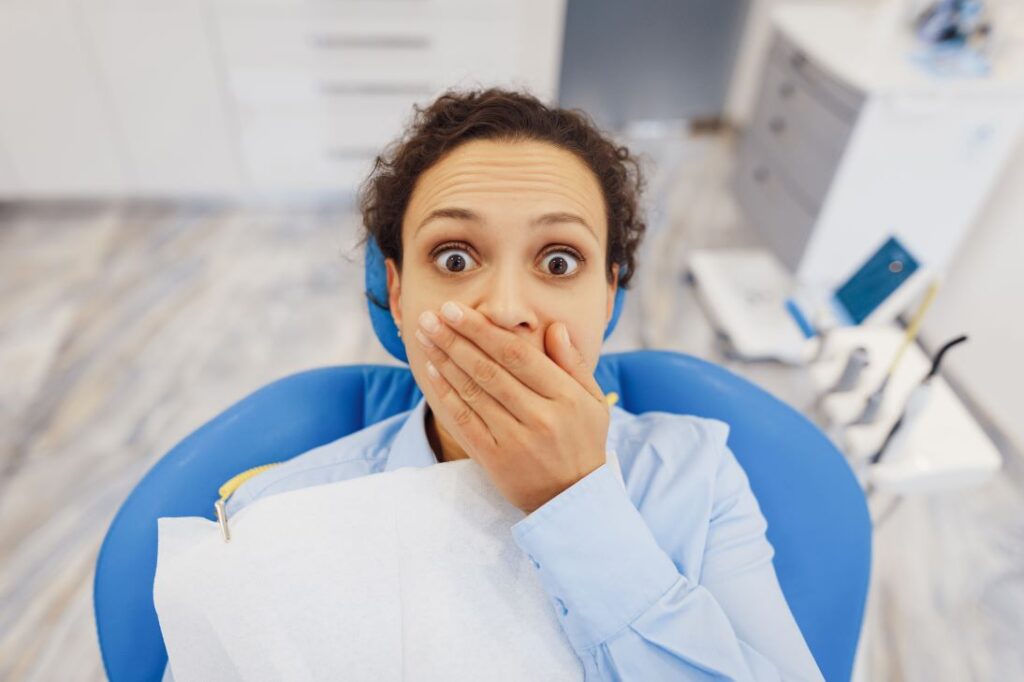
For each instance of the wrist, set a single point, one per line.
(561, 488)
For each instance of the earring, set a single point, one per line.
(399, 332)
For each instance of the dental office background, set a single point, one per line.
(177, 228)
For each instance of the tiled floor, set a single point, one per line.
(123, 327)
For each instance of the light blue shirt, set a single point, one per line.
(657, 566)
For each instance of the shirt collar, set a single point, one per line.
(410, 446)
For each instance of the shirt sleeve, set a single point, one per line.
(629, 611)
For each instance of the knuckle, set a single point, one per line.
(520, 441)
(513, 353)
(545, 425)
(485, 370)
(463, 416)
(445, 340)
(444, 387)
(443, 364)
(470, 390)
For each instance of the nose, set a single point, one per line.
(506, 301)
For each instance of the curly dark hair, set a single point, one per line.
(457, 117)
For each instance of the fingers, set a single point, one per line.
(450, 348)
(529, 365)
(560, 348)
(471, 408)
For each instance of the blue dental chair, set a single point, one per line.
(817, 517)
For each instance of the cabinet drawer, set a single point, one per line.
(420, 58)
(801, 134)
(331, 148)
(842, 100)
(269, 91)
(296, 43)
(293, 37)
(769, 204)
(303, 164)
(364, 9)
(364, 127)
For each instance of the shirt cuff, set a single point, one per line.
(596, 557)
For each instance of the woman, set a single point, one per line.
(507, 227)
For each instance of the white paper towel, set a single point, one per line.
(406, 575)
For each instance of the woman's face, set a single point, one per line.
(516, 230)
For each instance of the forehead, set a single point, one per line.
(508, 181)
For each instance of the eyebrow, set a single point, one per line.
(466, 214)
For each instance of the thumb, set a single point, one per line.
(559, 347)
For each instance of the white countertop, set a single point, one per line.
(868, 46)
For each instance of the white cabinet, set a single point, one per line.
(8, 181)
(789, 153)
(55, 125)
(156, 61)
(320, 88)
(227, 97)
(850, 143)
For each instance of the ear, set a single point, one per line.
(613, 288)
(394, 290)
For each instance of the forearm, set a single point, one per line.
(628, 610)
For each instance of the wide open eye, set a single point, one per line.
(560, 263)
(453, 260)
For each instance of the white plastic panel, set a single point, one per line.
(169, 104)
(54, 118)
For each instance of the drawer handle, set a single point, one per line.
(777, 125)
(798, 61)
(334, 41)
(761, 175)
(786, 90)
(375, 89)
(351, 153)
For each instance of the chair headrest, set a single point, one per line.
(384, 324)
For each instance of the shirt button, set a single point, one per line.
(534, 562)
(561, 607)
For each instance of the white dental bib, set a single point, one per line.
(408, 575)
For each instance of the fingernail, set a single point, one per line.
(429, 321)
(451, 312)
(431, 370)
(422, 338)
(564, 333)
